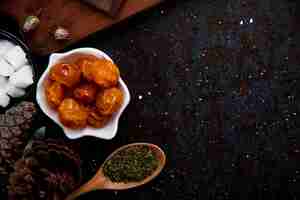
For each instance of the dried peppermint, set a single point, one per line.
(132, 164)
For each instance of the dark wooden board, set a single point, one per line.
(111, 7)
(79, 18)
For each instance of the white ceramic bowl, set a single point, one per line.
(110, 129)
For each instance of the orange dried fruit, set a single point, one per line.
(85, 65)
(72, 114)
(109, 101)
(105, 73)
(54, 94)
(96, 120)
(86, 93)
(66, 74)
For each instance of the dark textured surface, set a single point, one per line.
(216, 85)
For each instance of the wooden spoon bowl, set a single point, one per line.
(101, 182)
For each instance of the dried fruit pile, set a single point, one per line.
(84, 91)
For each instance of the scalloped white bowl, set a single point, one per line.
(107, 132)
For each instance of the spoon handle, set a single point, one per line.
(96, 183)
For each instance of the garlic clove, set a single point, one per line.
(31, 23)
(61, 34)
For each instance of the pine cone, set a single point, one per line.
(13, 125)
(49, 170)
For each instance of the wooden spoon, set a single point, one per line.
(101, 182)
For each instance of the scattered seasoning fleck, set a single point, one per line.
(132, 164)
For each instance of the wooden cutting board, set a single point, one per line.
(79, 18)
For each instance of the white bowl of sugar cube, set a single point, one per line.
(16, 69)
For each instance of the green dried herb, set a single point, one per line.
(132, 164)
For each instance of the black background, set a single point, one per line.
(219, 92)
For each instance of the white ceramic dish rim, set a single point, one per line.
(109, 131)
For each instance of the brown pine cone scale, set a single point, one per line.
(13, 126)
(48, 170)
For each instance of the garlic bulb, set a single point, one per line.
(61, 34)
(31, 23)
